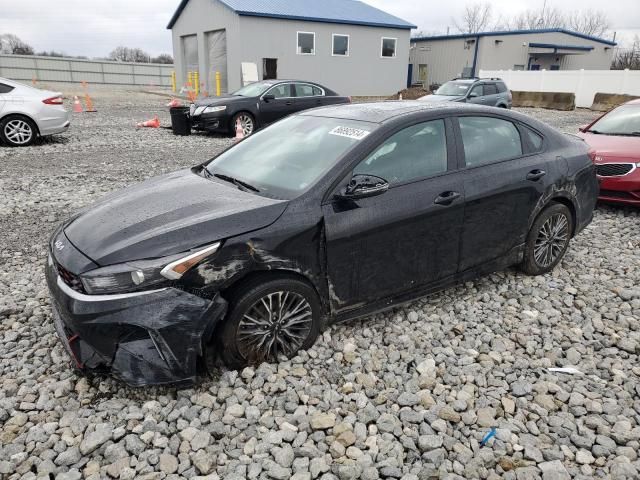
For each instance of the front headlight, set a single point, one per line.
(220, 108)
(142, 274)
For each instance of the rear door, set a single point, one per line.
(490, 94)
(282, 105)
(5, 92)
(506, 174)
(308, 96)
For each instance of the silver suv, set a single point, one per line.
(484, 91)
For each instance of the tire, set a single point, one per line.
(18, 131)
(248, 123)
(236, 347)
(548, 240)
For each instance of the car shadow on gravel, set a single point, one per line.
(49, 140)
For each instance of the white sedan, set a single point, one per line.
(27, 113)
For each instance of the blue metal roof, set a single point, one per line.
(555, 46)
(515, 32)
(351, 12)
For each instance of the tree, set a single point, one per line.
(163, 58)
(627, 57)
(126, 54)
(475, 18)
(588, 22)
(10, 43)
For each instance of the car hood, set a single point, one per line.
(613, 146)
(222, 100)
(166, 215)
(441, 98)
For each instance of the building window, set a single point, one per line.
(389, 47)
(518, 67)
(340, 45)
(306, 43)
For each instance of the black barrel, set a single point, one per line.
(180, 120)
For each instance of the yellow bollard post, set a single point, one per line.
(189, 82)
(173, 81)
(217, 84)
(196, 78)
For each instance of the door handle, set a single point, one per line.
(289, 103)
(446, 198)
(535, 175)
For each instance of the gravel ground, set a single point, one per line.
(406, 394)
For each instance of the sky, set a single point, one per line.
(95, 27)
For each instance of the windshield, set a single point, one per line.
(253, 89)
(452, 89)
(286, 159)
(624, 120)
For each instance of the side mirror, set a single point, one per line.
(269, 97)
(583, 128)
(473, 95)
(364, 186)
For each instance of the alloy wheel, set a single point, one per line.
(277, 323)
(246, 122)
(552, 240)
(18, 132)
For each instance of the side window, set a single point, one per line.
(534, 138)
(282, 91)
(488, 140)
(490, 89)
(415, 152)
(305, 90)
(476, 91)
(4, 88)
(388, 47)
(306, 43)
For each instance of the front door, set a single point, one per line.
(283, 103)
(503, 183)
(408, 236)
(422, 74)
(269, 68)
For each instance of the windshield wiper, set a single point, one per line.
(235, 181)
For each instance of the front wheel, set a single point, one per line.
(247, 122)
(548, 240)
(267, 318)
(17, 131)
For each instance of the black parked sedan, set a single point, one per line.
(260, 104)
(327, 215)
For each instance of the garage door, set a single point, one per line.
(190, 55)
(217, 47)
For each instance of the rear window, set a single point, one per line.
(489, 140)
(490, 89)
(534, 138)
(4, 88)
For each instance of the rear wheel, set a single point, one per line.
(267, 318)
(17, 131)
(548, 240)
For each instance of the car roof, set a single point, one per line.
(380, 112)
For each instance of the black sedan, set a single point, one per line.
(259, 104)
(327, 215)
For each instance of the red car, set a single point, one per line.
(615, 138)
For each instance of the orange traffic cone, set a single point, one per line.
(239, 131)
(89, 103)
(77, 106)
(153, 123)
(174, 103)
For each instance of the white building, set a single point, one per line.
(441, 58)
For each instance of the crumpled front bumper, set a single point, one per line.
(144, 338)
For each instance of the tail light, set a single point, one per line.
(53, 101)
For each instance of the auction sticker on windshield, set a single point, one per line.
(349, 132)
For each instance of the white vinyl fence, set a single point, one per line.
(54, 69)
(584, 83)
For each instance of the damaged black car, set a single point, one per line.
(327, 215)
